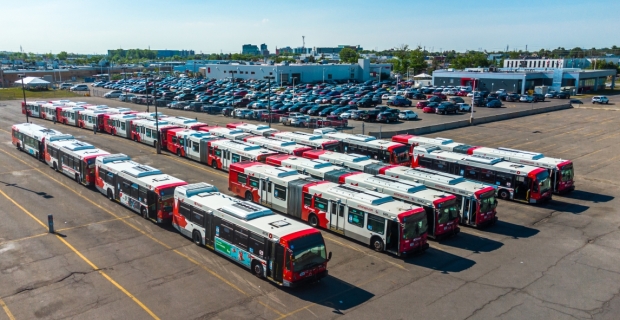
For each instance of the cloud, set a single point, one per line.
(265, 21)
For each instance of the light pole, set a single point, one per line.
(22, 76)
(146, 89)
(294, 85)
(269, 97)
(473, 100)
(323, 75)
(492, 86)
(156, 118)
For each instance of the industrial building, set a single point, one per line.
(307, 73)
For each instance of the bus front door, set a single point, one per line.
(152, 201)
(276, 261)
(336, 216)
(521, 189)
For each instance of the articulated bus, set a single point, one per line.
(150, 115)
(223, 153)
(88, 118)
(33, 108)
(145, 131)
(315, 141)
(230, 134)
(141, 188)
(357, 213)
(118, 124)
(272, 246)
(31, 138)
(286, 147)
(514, 181)
(74, 158)
(48, 111)
(189, 143)
(259, 130)
(187, 123)
(357, 162)
(441, 208)
(386, 151)
(475, 201)
(561, 171)
(70, 115)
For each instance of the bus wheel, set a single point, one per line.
(178, 152)
(110, 195)
(135, 138)
(503, 194)
(144, 213)
(55, 167)
(313, 220)
(19, 147)
(257, 268)
(77, 178)
(155, 144)
(377, 244)
(248, 196)
(214, 164)
(197, 238)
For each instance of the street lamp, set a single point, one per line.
(269, 78)
(146, 89)
(294, 85)
(22, 76)
(323, 75)
(156, 116)
(492, 85)
(473, 100)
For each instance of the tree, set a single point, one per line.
(348, 55)
(62, 56)
(471, 59)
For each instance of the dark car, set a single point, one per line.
(386, 117)
(399, 102)
(456, 100)
(495, 103)
(382, 108)
(446, 107)
(512, 97)
(316, 109)
(538, 97)
(241, 103)
(417, 96)
(185, 97)
(370, 115)
(562, 95)
(365, 103)
(227, 112)
(435, 99)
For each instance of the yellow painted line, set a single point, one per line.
(7, 172)
(523, 144)
(604, 162)
(607, 137)
(141, 231)
(595, 133)
(359, 250)
(79, 254)
(25, 238)
(563, 151)
(6, 310)
(93, 223)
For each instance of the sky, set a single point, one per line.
(224, 26)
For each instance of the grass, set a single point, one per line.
(16, 94)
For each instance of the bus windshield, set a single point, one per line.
(401, 154)
(567, 173)
(332, 147)
(447, 211)
(543, 181)
(414, 227)
(488, 202)
(308, 252)
(166, 197)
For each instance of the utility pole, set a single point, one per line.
(24, 92)
(269, 78)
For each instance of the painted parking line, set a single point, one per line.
(79, 254)
(6, 310)
(365, 253)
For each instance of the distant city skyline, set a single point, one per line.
(72, 26)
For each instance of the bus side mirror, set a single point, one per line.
(329, 256)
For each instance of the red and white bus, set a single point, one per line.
(561, 171)
(48, 110)
(223, 153)
(70, 115)
(475, 201)
(357, 162)
(90, 117)
(31, 138)
(383, 150)
(33, 108)
(74, 158)
(230, 134)
(145, 131)
(273, 247)
(150, 115)
(189, 143)
(440, 207)
(286, 147)
(259, 130)
(187, 123)
(118, 124)
(357, 213)
(141, 188)
(514, 181)
(315, 141)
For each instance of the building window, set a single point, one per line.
(252, 72)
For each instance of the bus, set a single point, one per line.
(48, 110)
(118, 124)
(31, 138)
(357, 213)
(150, 115)
(230, 134)
(189, 143)
(475, 201)
(386, 151)
(187, 123)
(272, 246)
(69, 115)
(145, 131)
(259, 130)
(286, 147)
(351, 161)
(33, 108)
(440, 207)
(141, 188)
(315, 141)
(73, 158)
(88, 118)
(514, 181)
(223, 153)
(561, 171)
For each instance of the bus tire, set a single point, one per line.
(197, 238)
(110, 195)
(178, 152)
(503, 194)
(214, 164)
(257, 269)
(55, 167)
(77, 178)
(248, 196)
(377, 244)
(313, 220)
(144, 213)
(19, 147)
(155, 144)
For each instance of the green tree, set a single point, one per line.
(348, 55)
(471, 59)
(62, 56)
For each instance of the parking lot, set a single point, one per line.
(555, 261)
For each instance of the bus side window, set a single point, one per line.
(184, 210)
(142, 194)
(226, 231)
(425, 162)
(198, 217)
(134, 191)
(307, 199)
(256, 245)
(241, 238)
(471, 173)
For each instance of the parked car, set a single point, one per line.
(464, 107)
(550, 94)
(418, 96)
(386, 117)
(446, 107)
(185, 97)
(538, 97)
(65, 86)
(526, 98)
(496, 103)
(563, 95)
(126, 97)
(407, 115)
(430, 107)
(456, 100)
(113, 94)
(79, 87)
(512, 97)
(600, 99)
(370, 115)
(421, 104)
(356, 114)
(399, 102)
(435, 99)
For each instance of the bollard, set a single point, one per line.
(50, 222)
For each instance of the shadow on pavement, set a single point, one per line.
(566, 207)
(512, 230)
(588, 196)
(44, 195)
(472, 243)
(441, 261)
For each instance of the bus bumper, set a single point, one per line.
(314, 278)
(487, 223)
(415, 251)
(448, 234)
